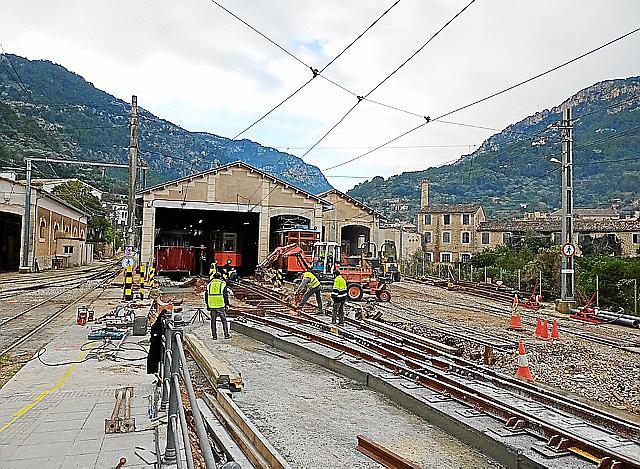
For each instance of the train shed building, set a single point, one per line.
(350, 222)
(228, 212)
(57, 230)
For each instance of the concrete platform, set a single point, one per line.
(54, 417)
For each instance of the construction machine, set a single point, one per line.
(326, 258)
(384, 261)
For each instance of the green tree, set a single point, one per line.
(99, 227)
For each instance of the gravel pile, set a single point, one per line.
(584, 368)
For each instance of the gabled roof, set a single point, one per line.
(48, 195)
(236, 164)
(589, 212)
(450, 208)
(355, 202)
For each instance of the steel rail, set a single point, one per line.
(47, 320)
(387, 358)
(440, 382)
(596, 338)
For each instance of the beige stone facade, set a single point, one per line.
(235, 187)
(449, 231)
(56, 229)
(347, 219)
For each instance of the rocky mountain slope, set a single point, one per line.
(47, 110)
(511, 172)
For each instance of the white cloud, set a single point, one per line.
(191, 63)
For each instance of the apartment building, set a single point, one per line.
(449, 231)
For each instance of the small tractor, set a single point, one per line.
(361, 279)
(384, 262)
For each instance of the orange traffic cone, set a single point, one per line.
(514, 321)
(538, 327)
(554, 330)
(523, 371)
(544, 333)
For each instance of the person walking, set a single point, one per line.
(312, 285)
(217, 300)
(226, 268)
(339, 297)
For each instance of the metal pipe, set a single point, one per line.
(207, 452)
(166, 365)
(183, 425)
(173, 429)
(171, 451)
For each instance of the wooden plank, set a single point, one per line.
(218, 372)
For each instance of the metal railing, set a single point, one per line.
(173, 364)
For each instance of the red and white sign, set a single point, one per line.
(568, 249)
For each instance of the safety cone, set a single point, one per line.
(515, 322)
(538, 327)
(523, 371)
(554, 330)
(544, 333)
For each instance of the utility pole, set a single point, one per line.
(27, 218)
(133, 157)
(568, 274)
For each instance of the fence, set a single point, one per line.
(173, 366)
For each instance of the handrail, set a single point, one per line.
(172, 366)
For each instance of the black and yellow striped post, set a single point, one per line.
(279, 278)
(152, 276)
(128, 283)
(142, 280)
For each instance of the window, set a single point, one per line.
(636, 238)
(485, 237)
(466, 218)
(68, 249)
(465, 237)
(427, 219)
(465, 257)
(445, 257)
(43, 229)
(428, 257)
(506, 238)
(446, 236)
(426, 237)
(446, 219)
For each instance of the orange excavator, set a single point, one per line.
(326, 258)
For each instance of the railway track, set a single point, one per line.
(18, 328)
(567, 425)
(631, 344)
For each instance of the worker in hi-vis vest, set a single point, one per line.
(216, 297)
(339, 297)
(312, 285)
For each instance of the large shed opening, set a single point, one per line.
(352, 237)
(10, 227)
(187, 241)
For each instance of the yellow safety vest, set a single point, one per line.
(215, 299)
(339, 288)
(212, 270)
(314, 282)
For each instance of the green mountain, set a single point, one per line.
(511, 172)
(46, 110)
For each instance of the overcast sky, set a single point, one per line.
(193, 64)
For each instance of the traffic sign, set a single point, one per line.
(128, 261)
(568, 249)
(128, 251)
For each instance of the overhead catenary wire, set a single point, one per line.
(486, 98)
(385, 79)
(315, 72)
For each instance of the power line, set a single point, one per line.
(315, 72)
(384, 80)
(486, 98)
